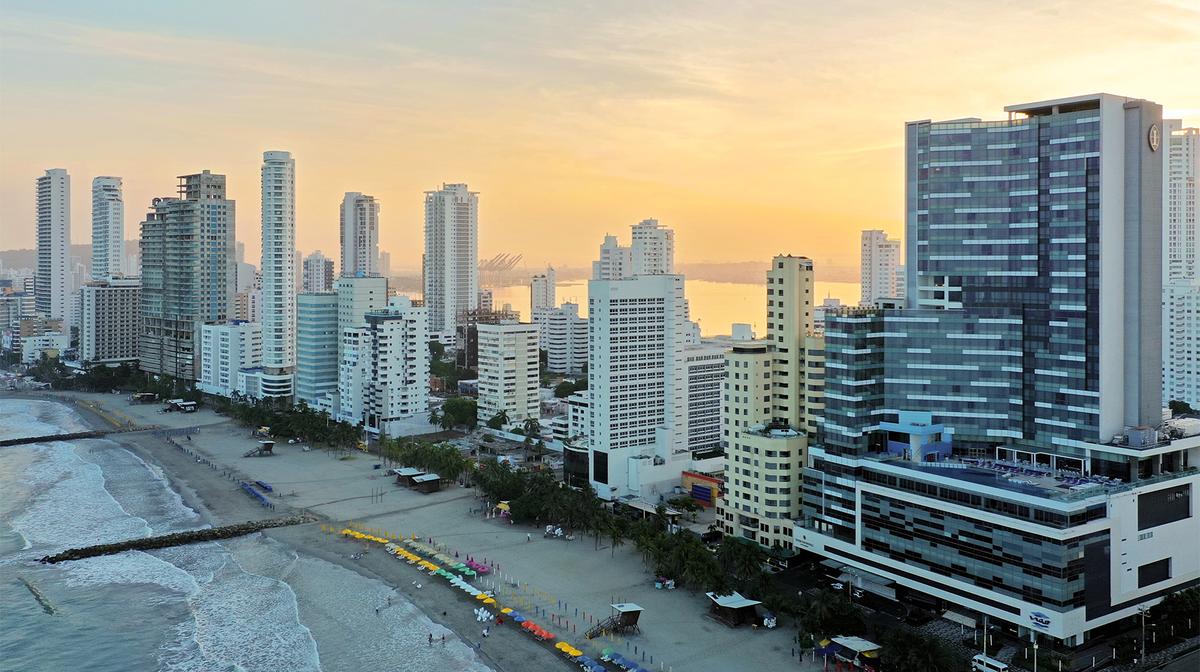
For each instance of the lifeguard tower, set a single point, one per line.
(265, 448)
(624, 619)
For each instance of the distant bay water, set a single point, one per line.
(715, 305)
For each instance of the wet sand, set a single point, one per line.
(574, 582)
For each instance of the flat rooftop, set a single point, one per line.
(1026, 479)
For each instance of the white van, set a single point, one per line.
(982, 663)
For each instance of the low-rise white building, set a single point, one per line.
(383, 376)
(110, 321)
(508, 371)
(563, 334)
(52, 343)
(230, 358)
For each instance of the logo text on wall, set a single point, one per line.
(1040, 620)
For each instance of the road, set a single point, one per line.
(1188, 663)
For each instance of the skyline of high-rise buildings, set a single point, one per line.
(985, 431)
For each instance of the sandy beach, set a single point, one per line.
(563, 585)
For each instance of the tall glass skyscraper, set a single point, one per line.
(996, 445)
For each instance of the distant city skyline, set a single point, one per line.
(705, 117)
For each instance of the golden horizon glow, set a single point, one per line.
(751, 130)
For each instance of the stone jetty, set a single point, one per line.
(178, 538)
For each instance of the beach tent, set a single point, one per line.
(853, 649)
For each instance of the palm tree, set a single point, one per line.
(498, 421)
(434, 417)
(616, 534)
(533, 428)
(818, 611)
(907, 651)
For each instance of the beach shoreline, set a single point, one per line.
(564, 586)
(210, 487)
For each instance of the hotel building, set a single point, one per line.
(996, 446)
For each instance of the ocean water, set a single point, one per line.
(248, 604)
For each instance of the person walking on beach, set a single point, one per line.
(528, 537)
(443, 640)
(431, 639)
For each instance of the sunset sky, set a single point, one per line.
(751, 128)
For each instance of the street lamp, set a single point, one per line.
(1143, 610)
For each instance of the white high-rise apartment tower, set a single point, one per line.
(615, 261)
(360, 235)
(383, 378)
(108, 228)
(317, 275)
(638, 331)
(880, 268)
(1181, 205)
(542, 291)
(53, 244)
(564, 337)
(1181, 276)
(653, 250)
(451, 264)
(508, 371)
(278, 273)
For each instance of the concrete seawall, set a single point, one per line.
(177, 538)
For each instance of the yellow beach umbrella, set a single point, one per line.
(489, 601)
(508, 610)
(481, 596)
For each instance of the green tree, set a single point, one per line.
(566, 388)
(437, 351)
(826, 613)
(498, 421)
(905, 650)
(1180, 407)
(742, 560)
(617, 532)
(1180, 611)
(459, 411)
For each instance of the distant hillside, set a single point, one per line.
(28, 258)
